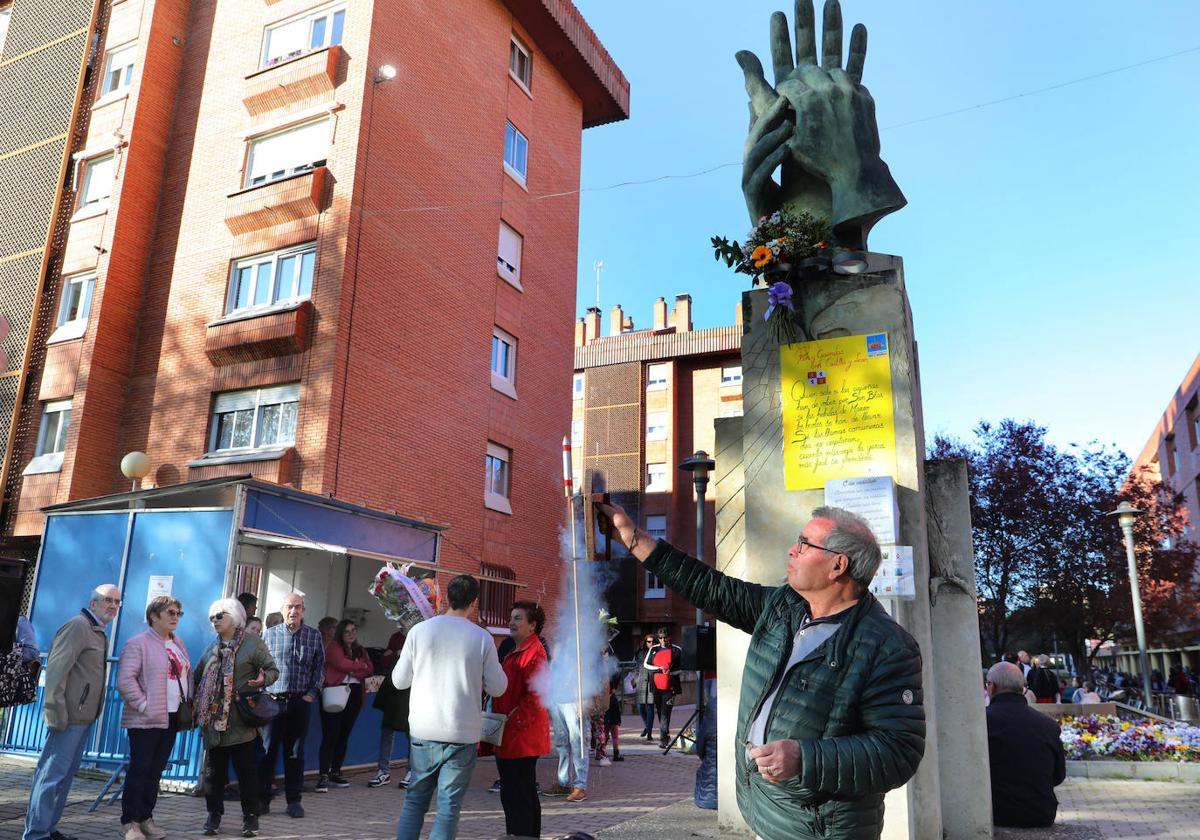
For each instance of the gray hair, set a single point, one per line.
(229, 605)
(1007, 678)
(852, 536)
(101, 592)
(1041, 660)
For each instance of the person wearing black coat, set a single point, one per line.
(1025, 752)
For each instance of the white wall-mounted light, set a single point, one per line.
(385, 73)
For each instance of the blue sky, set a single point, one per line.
(1047, 240)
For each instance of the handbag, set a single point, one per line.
(185, 718)
(18, 680)
(335, 697)
(492, 729)
(257, 708)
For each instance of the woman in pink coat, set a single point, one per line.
(154, 678)
(346, 662)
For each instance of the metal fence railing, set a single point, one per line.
(23, 732)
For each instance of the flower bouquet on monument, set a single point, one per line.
(406, 594)
(778, 251)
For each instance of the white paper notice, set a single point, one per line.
(159, 585)
(895, 576)
(874, 499)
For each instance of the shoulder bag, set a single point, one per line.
(18, 680)
(335, 697)
(492, 729)
(257, 708)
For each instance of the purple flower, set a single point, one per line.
(780, 294)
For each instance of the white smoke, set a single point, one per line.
(563, 680)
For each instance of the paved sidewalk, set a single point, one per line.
(645, 782)
(646, 797)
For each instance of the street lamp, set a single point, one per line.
(1125, 514)
(699, 465)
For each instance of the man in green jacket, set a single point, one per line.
(830, 715)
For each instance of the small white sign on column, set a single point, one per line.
(873, 498)
(159, 585)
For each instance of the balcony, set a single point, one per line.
(251, 336)
(301, 80)
(275, 465)
(278, 202)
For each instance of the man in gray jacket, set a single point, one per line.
(75, 681)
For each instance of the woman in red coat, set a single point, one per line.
(527, 729)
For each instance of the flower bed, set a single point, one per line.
(1107, 737)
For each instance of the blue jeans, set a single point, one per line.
(51, 784)
(387, 739)
(446, 768)
(572, 755)
(647, 712)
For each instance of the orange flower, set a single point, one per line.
(761, 256)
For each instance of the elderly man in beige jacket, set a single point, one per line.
(75, 680)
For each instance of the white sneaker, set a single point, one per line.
(605, 762)
(151, 830)
(132, 831)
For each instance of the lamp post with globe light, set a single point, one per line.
(699, 465)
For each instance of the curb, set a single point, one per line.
(1158, 771)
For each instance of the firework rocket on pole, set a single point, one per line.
(567, 478)
(567, 487)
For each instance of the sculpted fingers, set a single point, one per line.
(781, 47)
(806, 33)
(831, 37)
(858, 53)
(768, 122)
(760, 93)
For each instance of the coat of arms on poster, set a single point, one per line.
(837, 410)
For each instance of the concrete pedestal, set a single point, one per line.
(758, 519)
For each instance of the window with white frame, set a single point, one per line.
(73, 307)
(731, 375)
(313, 30)
(97, 183)
(656, 527)
(52, 438)
(271, 279)
(656, 377)
(576, 432)
(520, 63)
(118, 69)
(656, 425)
(656, 478)
(52, 434)
(508, 262)
(732, 412)
(577, 387)
(504, 362)
(287, 152)
(516, 152)
(497, 465)
(257, 418)
(5, 14)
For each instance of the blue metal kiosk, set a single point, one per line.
(202, 541)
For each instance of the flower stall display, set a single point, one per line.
(407, 596)
(1107, 737)
(777, 253)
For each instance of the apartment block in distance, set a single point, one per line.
(643, 402)
(1173, 450)
(301, 241)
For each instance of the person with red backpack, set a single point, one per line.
(663, 663)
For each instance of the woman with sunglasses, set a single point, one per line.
(154, 678)
(237, 662)
(643, 687)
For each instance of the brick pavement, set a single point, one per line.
(647, 796)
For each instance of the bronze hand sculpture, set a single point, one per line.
(817, 125)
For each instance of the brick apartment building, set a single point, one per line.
(1173, 450)
(644, 401)
(299, 240)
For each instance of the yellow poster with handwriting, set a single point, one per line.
(837, 410)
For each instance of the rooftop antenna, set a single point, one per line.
(598, 266)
